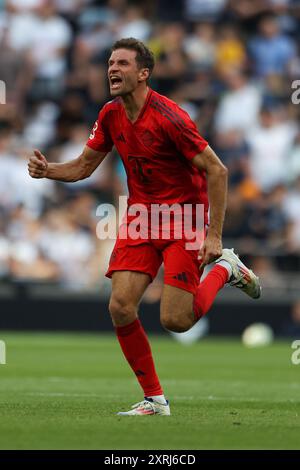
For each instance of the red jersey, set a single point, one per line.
(156, 151)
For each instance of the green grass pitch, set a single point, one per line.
(61, 391)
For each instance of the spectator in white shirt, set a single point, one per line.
(270, 144)
(239, 107)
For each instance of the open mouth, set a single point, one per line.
(115, 82)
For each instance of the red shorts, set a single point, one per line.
(181, 266)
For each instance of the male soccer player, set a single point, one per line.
(166, 161)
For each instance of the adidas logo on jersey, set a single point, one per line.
(121, 137)
(181, 277)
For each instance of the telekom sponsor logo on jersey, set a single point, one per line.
(154, 221)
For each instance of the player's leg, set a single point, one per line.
(184, 299)
(208, 289)
(128, 288)
(227, 269)
(181, 278)
(180, 309)
(176, 309)
(132, 268)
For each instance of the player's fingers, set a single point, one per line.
(32, 164)
(34, 174)
(216, 254)
(41, 158)
(201, 257)
(35, 170)
(201, 253)
(35, 162)
(38, 154)
(204, 261)
(212, 257)
(34, 159)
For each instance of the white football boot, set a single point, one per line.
(242, 277)
(147, 407)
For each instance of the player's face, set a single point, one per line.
(123, 73)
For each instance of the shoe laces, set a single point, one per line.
(241, 281)
(144, 405)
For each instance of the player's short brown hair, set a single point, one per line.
(144, 57)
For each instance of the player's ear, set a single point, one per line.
(143, 75)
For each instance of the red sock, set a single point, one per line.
(136, 349)
(208, 289)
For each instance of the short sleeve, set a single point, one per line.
(100, 139)
(183, 132)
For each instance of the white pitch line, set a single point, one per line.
(61, 394)
(177, 398)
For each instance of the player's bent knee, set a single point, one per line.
(176, 325)
(121, 312)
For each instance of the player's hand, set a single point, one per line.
(210, 251)
(37, 165)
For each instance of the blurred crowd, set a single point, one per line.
(233, 65)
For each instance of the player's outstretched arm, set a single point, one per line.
(74, 170)
(217, 176)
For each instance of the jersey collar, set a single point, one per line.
(142, 111)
